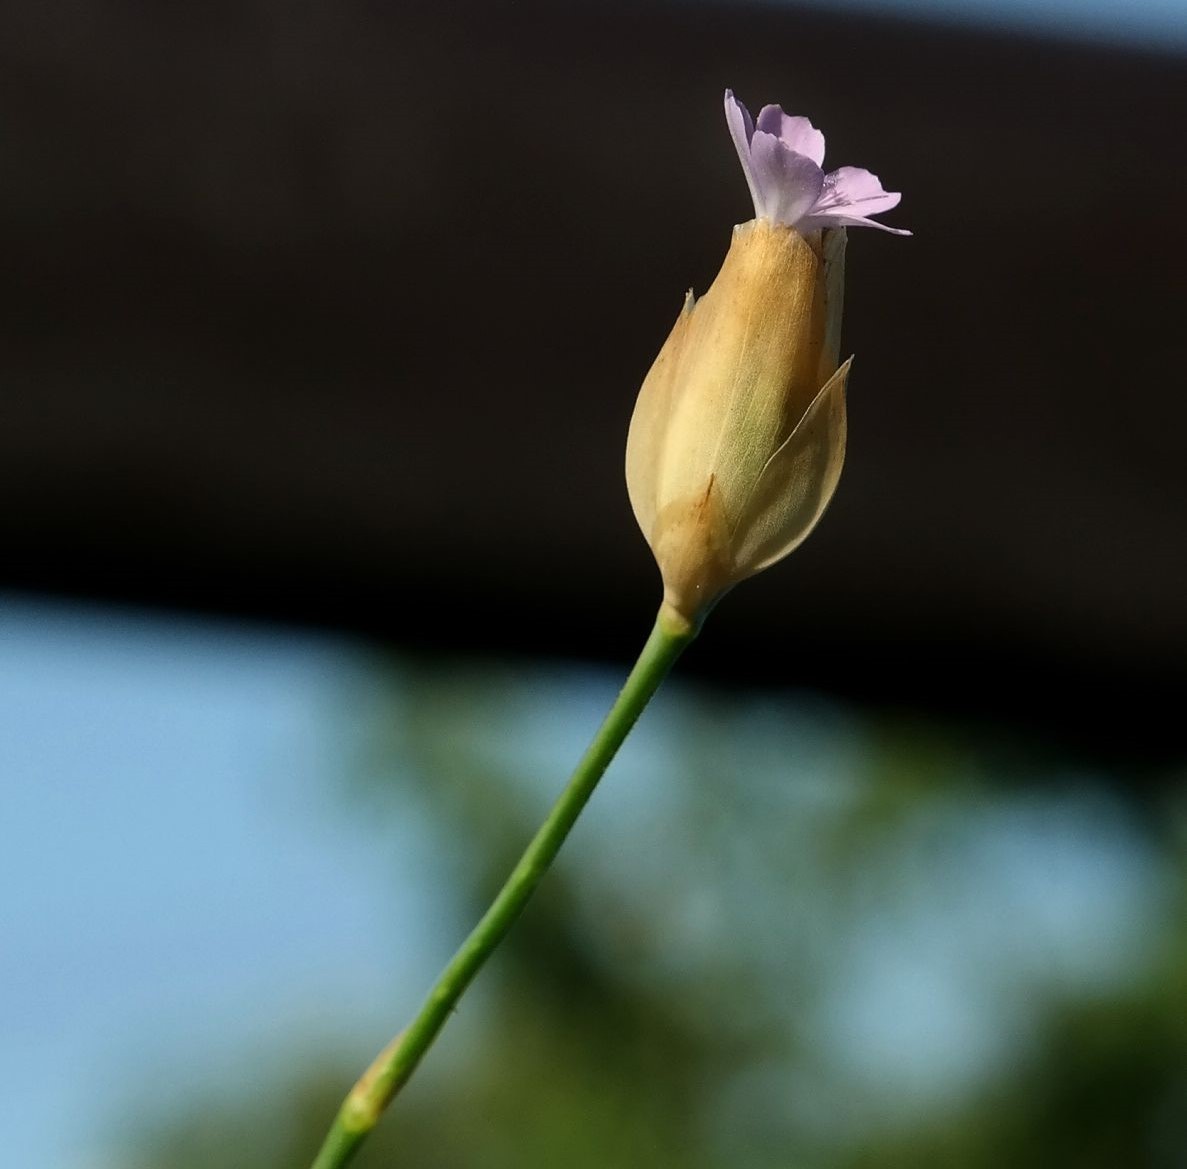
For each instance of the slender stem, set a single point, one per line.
(361, 1110)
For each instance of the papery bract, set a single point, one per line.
(738, 435)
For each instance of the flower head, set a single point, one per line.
(783, 159)
(738, 435)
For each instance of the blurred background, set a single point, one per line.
(320, 328)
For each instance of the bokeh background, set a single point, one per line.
(320, 327)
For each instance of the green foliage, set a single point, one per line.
(685, 992)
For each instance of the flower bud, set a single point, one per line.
(738, 435)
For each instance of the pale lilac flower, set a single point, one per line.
(783, 160)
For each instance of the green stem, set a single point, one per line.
(361, 1110)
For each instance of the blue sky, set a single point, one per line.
(1159, 23)
(175, 873)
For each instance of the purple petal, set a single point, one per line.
(843, 218)
(789, 184)
(741, 128)
(797, 133)
(850, 186)
(849, 196)
(740, 122)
